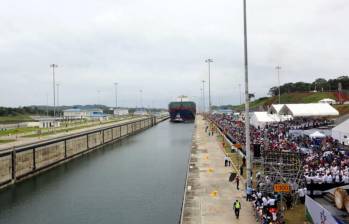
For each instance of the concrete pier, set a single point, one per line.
(209, 196)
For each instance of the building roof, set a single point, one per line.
(82, 110)
(309, 110)
(72, 110)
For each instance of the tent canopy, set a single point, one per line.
(260, 119)
(341, 132)
(327, 100)
(263, 117)
(317, 134)
(275, 108)
(309, 110)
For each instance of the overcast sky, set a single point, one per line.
(160, 46)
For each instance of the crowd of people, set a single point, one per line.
(325, 161)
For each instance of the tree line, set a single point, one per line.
(319, 85)
(9, 111)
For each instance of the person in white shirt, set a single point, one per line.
(271, 202)
(345, 179)
(265, 201)
(301, 194)
(337, 179)
(329, 179)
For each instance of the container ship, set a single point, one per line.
(182, 110)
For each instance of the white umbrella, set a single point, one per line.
(317, 134)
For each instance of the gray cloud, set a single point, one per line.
(160, 47)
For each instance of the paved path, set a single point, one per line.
(209, 196)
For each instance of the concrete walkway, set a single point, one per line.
(209, 195)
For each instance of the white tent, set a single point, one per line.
(327, 100)
(341, 132)
(309, 110)
(275, 108)
(317, 134)
(260, 119)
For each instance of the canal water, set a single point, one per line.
(139, 180)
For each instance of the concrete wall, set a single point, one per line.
(5, 168)
(76, 145)
(46, 155)
(23, 162)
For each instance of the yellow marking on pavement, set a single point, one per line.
(214, 194)
(210, 170)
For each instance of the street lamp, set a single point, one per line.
(53, 66)
(202, 101)
(240, 92)
(278, 68)
(208, 61)
(247, 104)
(99, 97)
(141, 95)
(203, 96)
(57, 85)
(116, 94)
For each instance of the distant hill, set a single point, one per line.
(302, 97)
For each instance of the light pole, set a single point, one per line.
(208, 61)
(278, 68)
(47, 104)
(98, 97)
(53, 66)
(247, 105)
(57, 85)
(203, 96)
(240, 92)
(202, 100)
(116, 94)
(57, 94)
(141, 97)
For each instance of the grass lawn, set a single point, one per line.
(3, 141)
(342, 109)
(15, 119)
(73, 127)
(17, 131)
(296, 215)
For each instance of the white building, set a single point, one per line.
(120, 112)
(74, 114)
(140, 112)
(83, 114)
(50, 123)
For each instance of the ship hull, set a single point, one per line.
(182, 111)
